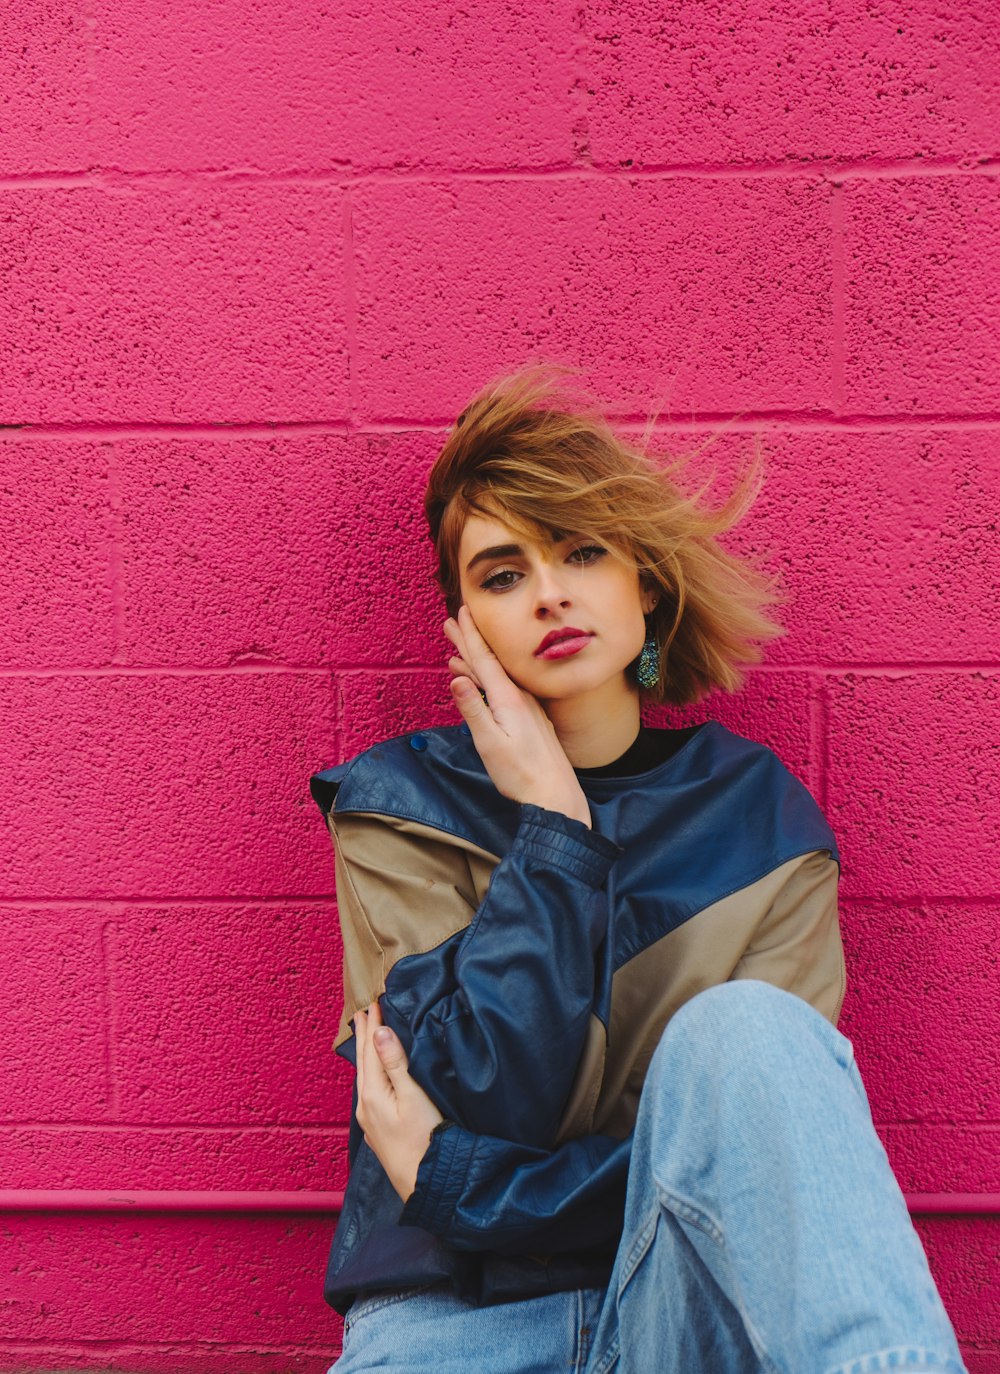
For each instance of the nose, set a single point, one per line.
(550, 592)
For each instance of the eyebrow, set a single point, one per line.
(495, 551)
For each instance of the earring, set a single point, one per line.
(647, 670)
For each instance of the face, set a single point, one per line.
(526, 597)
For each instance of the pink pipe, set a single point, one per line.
(140, 1200)
(301, 1200)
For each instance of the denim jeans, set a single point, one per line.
(764, 1230)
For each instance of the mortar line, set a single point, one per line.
(145, 902)
(832, 667)
(744, 422)
(109, 949)
(351, 321)
(838, 286)
(819, 744)
(343, 177)
(858, 667)
(116, 554)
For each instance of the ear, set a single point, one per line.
(649, 597)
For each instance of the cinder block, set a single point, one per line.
(981, 1361)
(964, 1256)
(43, 88)
(680, 83)
(946, 1157)
(190, 1278)
(305, 549)
(922, 294)
(228, 1014)
(197, 302)
(884, 541)
(164, 786)
(269, 87)
(195, 1357)
(914, 787)
(775, 709)
(669, 292)
(377, 706)
(55, 595)
(923, 1012)
(238, 1159)
(53, 1030)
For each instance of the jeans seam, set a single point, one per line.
(638, 1251)
(376, 1302)
(687, 1211)
(609, 1359)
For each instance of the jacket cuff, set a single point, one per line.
(440, 1181)
(565, 843)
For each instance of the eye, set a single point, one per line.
(500, 580)
(587, 553)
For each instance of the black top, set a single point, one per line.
(648, 750)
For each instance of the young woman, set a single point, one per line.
(592, 970)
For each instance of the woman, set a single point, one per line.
(603, 1118)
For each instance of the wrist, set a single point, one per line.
(576, 808)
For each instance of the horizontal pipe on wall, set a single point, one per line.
(301, 1200)
(143, 1200)
(934, 1204)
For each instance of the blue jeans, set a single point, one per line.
(764, 1230)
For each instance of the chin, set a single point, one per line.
(570, 681)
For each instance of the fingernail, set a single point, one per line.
(383, 1036)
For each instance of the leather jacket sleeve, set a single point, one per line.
(477, 1192)
(473, 1011)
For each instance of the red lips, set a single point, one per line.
(554, 636)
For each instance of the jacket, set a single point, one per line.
(529, 965)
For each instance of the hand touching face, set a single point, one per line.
(515, 738)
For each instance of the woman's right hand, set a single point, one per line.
(515, 738)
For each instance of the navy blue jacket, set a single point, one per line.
(500, 938)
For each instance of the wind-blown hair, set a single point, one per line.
(532, 449)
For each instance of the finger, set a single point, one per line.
(454, 633)
(475, 712)
(481, 658)
(460, 668)
(392, 1055)
(376, 1078)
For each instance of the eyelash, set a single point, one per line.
(492, 582)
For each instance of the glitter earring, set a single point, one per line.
(647, 670)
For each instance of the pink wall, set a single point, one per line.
(254, 257)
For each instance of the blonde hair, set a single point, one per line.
(534, 450)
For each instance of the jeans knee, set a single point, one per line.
(745, 1019)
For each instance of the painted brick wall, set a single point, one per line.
(253, 258)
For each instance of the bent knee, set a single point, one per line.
(745, 1017)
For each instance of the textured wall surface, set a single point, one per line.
(253, 259)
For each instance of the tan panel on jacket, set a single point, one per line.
(782, 929)
(404, 888)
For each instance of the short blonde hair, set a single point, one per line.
(533, 450)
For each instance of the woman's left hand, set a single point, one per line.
(394, 1112)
